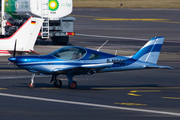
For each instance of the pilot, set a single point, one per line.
(74, 56)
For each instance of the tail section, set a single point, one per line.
(26, 36)
(150, 51)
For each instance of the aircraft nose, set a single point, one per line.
(12, 59)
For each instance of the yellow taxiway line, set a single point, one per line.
(145, 91)
(128, 19)
(130, 88)
(135, 104)
(171, 97)
(49, 88)
(132, 19)
(3, 88)
(134, 91)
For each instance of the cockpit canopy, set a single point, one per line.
(69, 53)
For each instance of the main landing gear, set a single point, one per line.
(57, 82)
(71, 84)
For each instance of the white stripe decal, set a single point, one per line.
(90, 104)
(151, 50)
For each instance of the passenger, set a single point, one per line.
(79, 55)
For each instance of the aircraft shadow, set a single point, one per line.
(88, 87)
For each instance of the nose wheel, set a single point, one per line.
(31, 83)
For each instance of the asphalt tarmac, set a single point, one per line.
(140, 94)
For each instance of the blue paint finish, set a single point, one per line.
(156, 38)
(56, 63)
(145, 50)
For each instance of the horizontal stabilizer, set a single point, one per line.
(160, 67)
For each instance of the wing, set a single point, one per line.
(82, 69)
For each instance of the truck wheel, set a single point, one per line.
(60, 40)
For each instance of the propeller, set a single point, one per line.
(13, 59)
(14, 55)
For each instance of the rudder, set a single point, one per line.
(150, 51)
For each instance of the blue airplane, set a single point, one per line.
(74, 60)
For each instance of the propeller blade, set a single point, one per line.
(9, 63)
(14, 54)
(15, 68)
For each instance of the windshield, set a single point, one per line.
(69, 53)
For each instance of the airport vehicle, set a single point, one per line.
(25, 38)
(56, 25)
(73, 60)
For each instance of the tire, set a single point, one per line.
(30, 86)
(60, 40)
(57, 83)
(72, 85)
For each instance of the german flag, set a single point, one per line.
(33, 22)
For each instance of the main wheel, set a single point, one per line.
(72, 85)
(57, 83)
(30, 85)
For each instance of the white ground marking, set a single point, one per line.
(16, 77)
(90, 104)
(19, 77)
(126, 38)
(112, 37)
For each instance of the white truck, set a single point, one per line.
(56, 25)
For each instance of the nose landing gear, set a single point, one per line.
(31, 83)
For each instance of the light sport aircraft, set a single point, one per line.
(73, 60)
(24, 38)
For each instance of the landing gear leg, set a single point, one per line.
(71, 84)
(57, 82)
(31, 83)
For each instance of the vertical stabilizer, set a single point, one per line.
(150, 51)
(26, 36)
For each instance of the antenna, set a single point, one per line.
(116, 52)
(102, 45)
